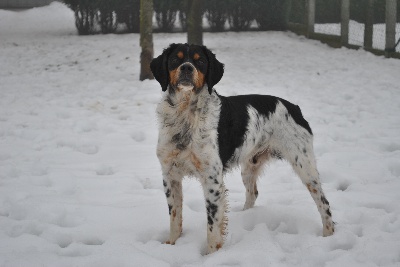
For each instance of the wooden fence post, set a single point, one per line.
(391, 8)
(369, 25)
(344, 25)
(310, 17)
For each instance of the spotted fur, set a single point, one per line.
(203, 134)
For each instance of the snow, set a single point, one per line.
(80, 184)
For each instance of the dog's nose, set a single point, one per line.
(187, 68)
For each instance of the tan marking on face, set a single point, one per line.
(180, 55)
(199, 79)
(196, 56)
(173, 77)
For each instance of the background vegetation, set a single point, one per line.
(109, 16)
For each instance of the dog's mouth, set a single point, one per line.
(185, 85)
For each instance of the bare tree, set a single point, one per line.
(146, 39)
(194, 22)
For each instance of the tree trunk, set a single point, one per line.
(369, 24)
(194, 22)
(146, 39)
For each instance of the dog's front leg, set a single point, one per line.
(214, 193)
(173, 192)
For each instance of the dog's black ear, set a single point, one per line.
(215, 69)
(159, 67)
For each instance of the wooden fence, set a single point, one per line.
(342, 39)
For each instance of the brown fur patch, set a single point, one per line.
(185, 103)
(171, 156)
(219, 245)
(196, 162)
(173, 77)
(312, 190)
(180, 54)
(199, 80)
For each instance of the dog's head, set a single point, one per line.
(186, 67)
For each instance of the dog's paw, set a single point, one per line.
(248, 206)
(328, 230)
(213, 248)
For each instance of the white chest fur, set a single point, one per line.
(187, 143)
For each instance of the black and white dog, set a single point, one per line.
(203, 134)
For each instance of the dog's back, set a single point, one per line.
(239, 114)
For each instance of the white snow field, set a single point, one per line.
(80, 183)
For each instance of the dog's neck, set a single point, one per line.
(178, 109)
(187, 100)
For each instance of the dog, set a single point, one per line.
(204, 135)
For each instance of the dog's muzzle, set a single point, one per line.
(185, 81)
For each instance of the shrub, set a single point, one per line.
(107, 15)
(166, 11)
(128, 12)
(216, 14)
(85, 15)
(272, 14)
(240, 14)
(297, 12)
(104, 15)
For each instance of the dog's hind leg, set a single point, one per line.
(304, 165)
(173, 192)
(250, 171)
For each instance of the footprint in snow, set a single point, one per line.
(104, 170)
(65, 240)
(29, 228)
(92, 241)
(85, 148)
(342, 186)
(138, 136)
(146, 183)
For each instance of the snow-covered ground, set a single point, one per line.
(80, 184)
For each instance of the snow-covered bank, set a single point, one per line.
(80, 184)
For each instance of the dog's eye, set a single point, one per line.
(174, 60)
(200, 61)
